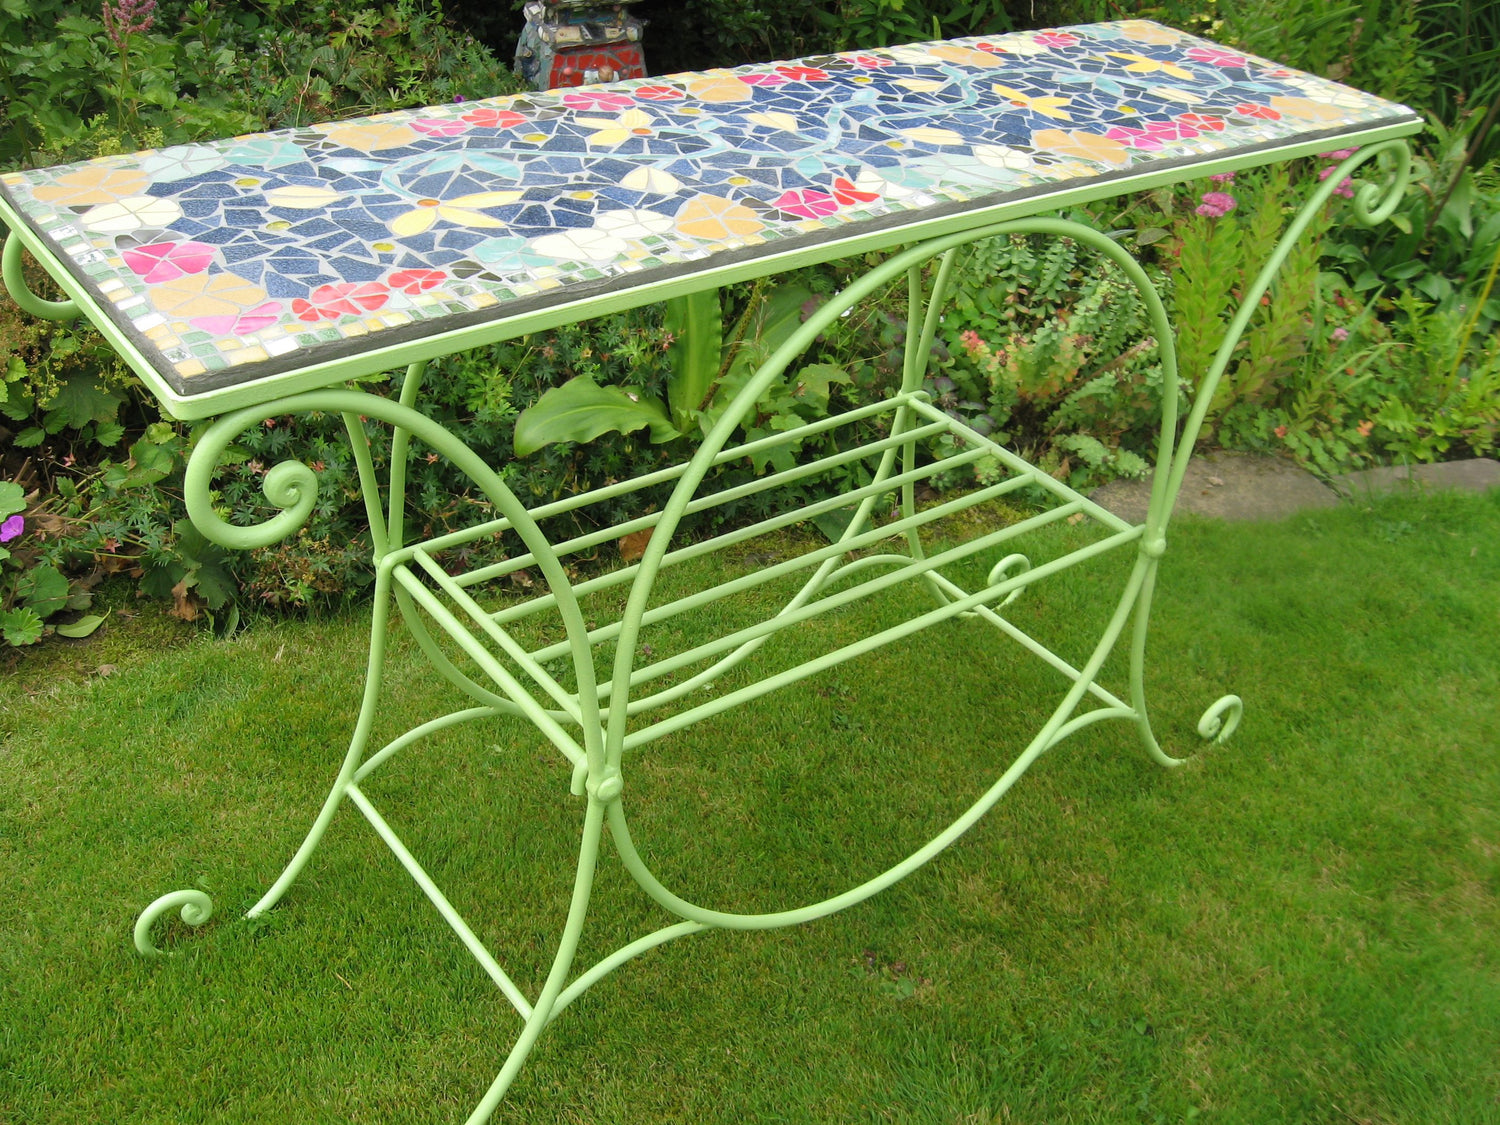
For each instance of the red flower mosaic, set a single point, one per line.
(848, 195)
(417, 281)
(487, 117)
(1250, 109)
(329, 302)
(803, 73)
(764, 79)
(1203, 122)
(659, 93)
(1056, 39)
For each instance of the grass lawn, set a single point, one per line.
(1298, 926)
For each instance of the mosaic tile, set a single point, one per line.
(278, 250)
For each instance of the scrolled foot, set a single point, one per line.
(197, 908)
(1214, 725)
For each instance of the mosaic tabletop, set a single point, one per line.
(229, 262)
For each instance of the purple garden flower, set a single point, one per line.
(11, 528)
(1223, 178)
(1217, 204)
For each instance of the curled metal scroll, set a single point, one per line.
(1215, 725)
(1375, 203)
(197, 908)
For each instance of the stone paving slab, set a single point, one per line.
(1249, 486)
(1477, 475)
(1227, 486)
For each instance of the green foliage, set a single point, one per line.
(1376, 45)
(32, 587)
(581, 410)
(1050, 350)
(71, 89)
(695, 326)
(883, 23)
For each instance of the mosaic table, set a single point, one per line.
(255, 277)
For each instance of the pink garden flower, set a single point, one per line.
(125, 18)
(1346, 189)
(12, 528)
(1339, 335)
(1217, 204)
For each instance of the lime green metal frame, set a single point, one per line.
(601, 713)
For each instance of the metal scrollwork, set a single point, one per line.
(1214, 725)
(1374, 203)
(197, 908)
(290, 486)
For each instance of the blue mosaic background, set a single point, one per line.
(237, 259)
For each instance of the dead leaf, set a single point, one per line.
(183, 606)
(633, 546)
(104, 670)
(1216, 480)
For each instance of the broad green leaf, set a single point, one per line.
(12, 498)
(30, 437)
(772, 325)
(44, 589)
(80, 401)
(833, 524)
(580, 410)
(813, 381)
(20, 626)
(82, 627)
(152, 463)
(207, 572)
(108, 433)
(695, 323)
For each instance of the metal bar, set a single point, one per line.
(743, 534)
(812, 558)
(444, 907)
(482, 656)
(858, 648)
